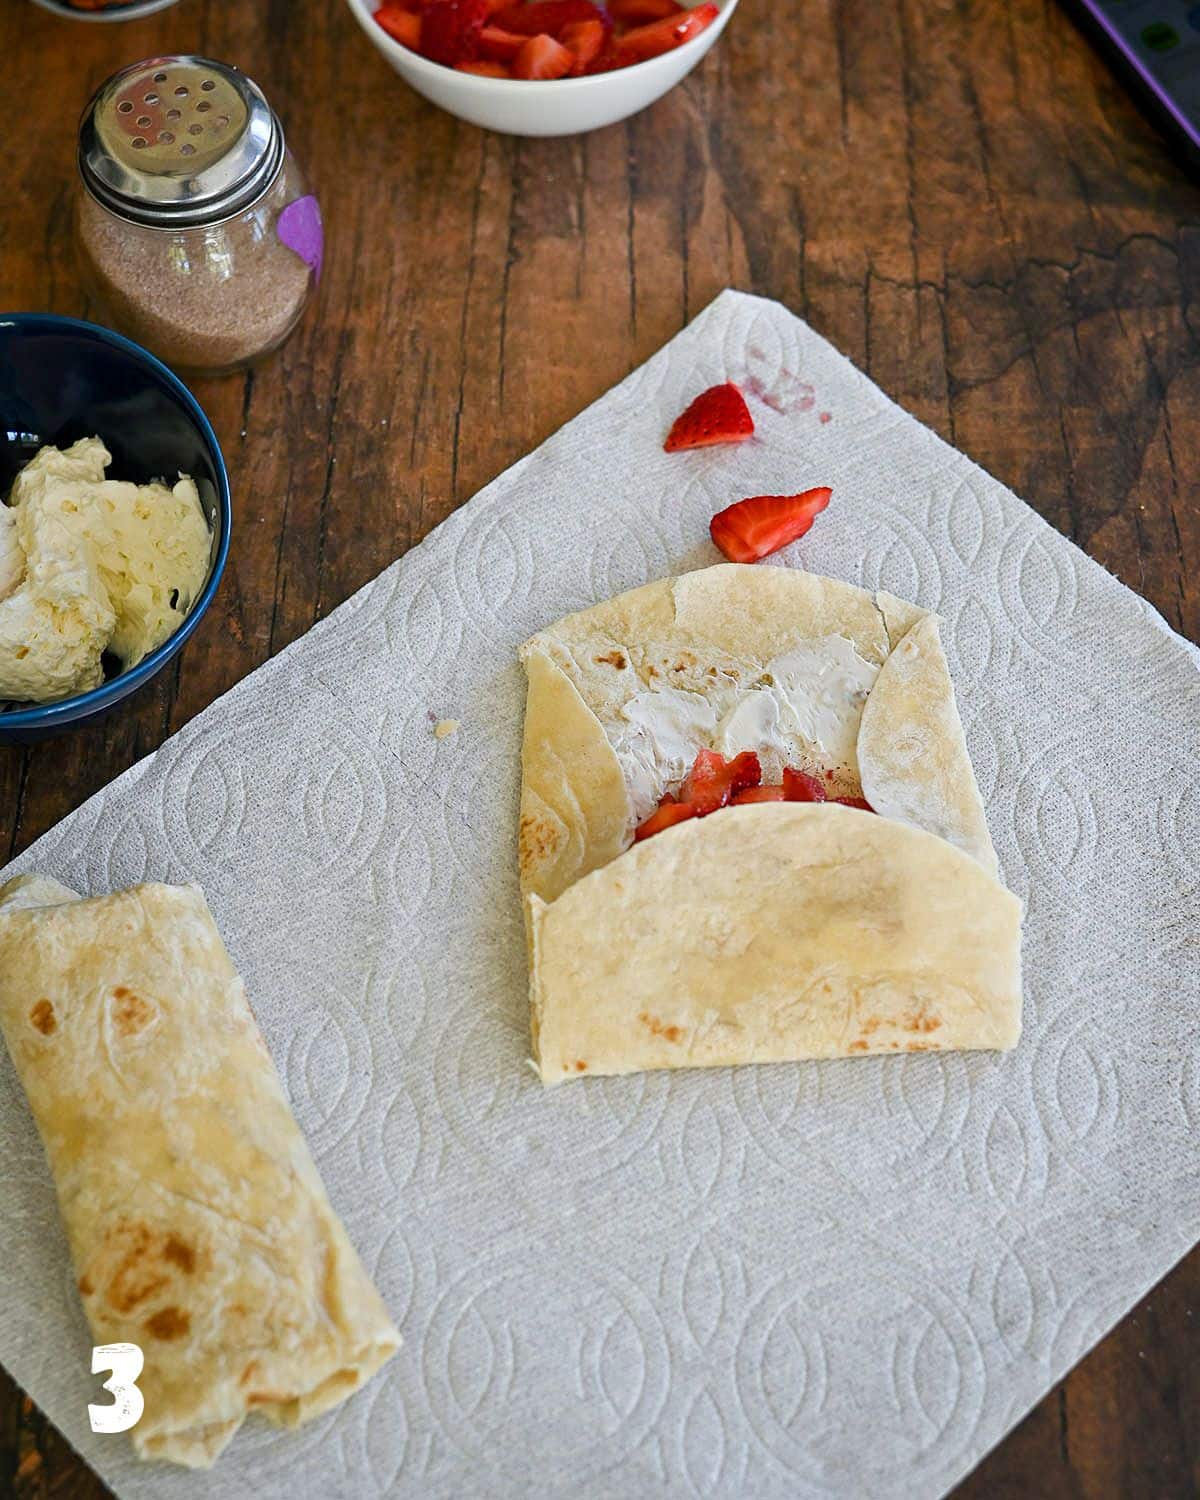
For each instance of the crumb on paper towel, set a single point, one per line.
(444, 728)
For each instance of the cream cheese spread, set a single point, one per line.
(812, 700)
(804, 710)
(89, 565)
(656, 740)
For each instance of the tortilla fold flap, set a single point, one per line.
(912, 753)
(736, 610)
(198, 1224)
(771, 933)
(574, 807)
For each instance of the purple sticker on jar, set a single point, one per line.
(299, 227)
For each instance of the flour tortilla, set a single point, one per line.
(912, 753)
(197, 1221)
(574, 806)
(727, 623)
(795, 931)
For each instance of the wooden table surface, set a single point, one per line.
(955, 192)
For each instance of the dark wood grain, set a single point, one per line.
(955, 192)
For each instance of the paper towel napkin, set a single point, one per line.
(842, 1278)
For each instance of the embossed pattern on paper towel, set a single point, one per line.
(835, 1279)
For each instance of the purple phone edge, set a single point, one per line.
(1124, 47)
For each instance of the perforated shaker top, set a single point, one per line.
(179, 142)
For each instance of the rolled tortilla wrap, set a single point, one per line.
(198, 1224)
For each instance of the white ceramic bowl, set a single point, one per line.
(558, 106)
(121, 13)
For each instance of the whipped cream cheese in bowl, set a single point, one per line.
(91, 565)
(101, 583)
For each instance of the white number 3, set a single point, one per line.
(125, 1410)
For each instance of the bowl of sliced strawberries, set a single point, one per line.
(542, 67)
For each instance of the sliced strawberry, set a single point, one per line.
(799, 786)
(644, 42)
(585, 39)
(855, 802)
(706, 787)
(744, 771)
(543, 57)
(713, 780)
(484, 68)
(402, 24)
(500, 45)
(548, 16)
(641, 12)
(759, 794)
(754, 528)
(607, 62)
(669, 811)
(450, 30)
(717, 415)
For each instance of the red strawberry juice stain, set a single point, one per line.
(826, 416)
(787, 394)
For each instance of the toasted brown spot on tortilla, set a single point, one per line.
(537, 839)
(21, 652)
(130, 1013)
(179, 1253)
(921, 1047)
(858, 1046)
(265, 1398)
(43, 1017)
(168, 1323)
(872, 1023)
(145, 1260)
(139, 1272)
(921, 1021)
(668, 1033)
(612, 659)
(85, 1286)
(651, 670)
(581, 1067)
(249, 1372)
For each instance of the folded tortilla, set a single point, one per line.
(198, 1224)
(715, 635)
(773, 933)
(808, 672)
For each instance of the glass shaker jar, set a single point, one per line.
(196, 230)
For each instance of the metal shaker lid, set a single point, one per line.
(179, 141)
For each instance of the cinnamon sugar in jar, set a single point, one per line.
(196, 229)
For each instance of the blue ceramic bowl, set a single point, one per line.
(62, 379)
